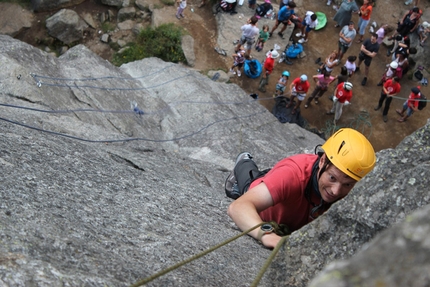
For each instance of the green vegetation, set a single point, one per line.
(22, 3)
(168, 2)
(163, 42)
(107, 26)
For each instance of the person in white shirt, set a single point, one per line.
(249, 32)
(309, 23)
(350, 65)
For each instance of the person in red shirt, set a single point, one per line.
(298, 88)
(390, 88)
(297, 189)
(268, 66)
(411, 104)
(364, 13)
(342, 96)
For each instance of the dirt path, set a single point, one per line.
(202, 26)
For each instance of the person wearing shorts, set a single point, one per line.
(238, 61)
(411, 105)
(368, 51)
(299, 87)
(249, 32)
(284, 16)
(309, 23)
(282, 83)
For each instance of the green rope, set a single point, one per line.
(361, 121)
(171, 268)
(329, 129)
(268, 261)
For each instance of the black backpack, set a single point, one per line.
(422, 102)
(262, 9)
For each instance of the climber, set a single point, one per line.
(299, 188)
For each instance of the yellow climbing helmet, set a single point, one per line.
(350, 152)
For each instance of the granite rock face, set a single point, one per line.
(112, 174)
(399, 256)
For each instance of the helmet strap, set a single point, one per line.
(313, 186)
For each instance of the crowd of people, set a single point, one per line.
(349, 34)
(300, 188)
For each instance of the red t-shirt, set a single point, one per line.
(301, 87)
(412, 100)
(392, 88)
(366, 9)
(269, 64)
(343, 95)
(287, 182)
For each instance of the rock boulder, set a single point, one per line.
(66, 25)
(14, 19)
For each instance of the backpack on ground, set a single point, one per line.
(292, 51)
(422, 102)
(252, 68)
(263, 9)
(418, 75)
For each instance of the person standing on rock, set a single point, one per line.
(238, 61)
(262, 38)
(284, 16)
(249, 32)
(182, 4)
(390, 88)
(297, 189)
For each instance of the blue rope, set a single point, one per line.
(130, 139)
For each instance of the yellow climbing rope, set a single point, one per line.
(173, 267)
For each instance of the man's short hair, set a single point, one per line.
(313, 17)
(412, 51)
(351, 23)
(291, 4)
(416, 9)
(254, 19)
(374, 35)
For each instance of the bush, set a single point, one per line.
(107, 27)
(22, 3)
(163, 42)
(168, 2)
